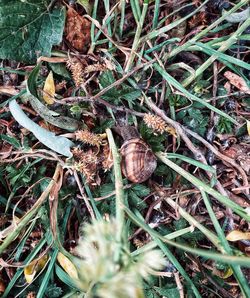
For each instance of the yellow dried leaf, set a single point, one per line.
(228, 273)
(238, 235)
(171, 131)
(34, 267)
(248, 127)
(49, 89)
(67, 265)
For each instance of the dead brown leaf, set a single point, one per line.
(9, 90)
(236, 235)
(77, 30)
(5, 151)
(53, 202)
(237, 81)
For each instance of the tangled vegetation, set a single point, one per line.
(124, 148)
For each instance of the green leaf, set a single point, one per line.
(116, 94)
(168, 292)
(135, 201)
(53, 291)
(106, 189)
(50, 116)
(141, 190)
(106, 78)
(57, 143)
(224, 126)
(60, 69)
(86, 5)
(155, 141)
(11, 140)
(65, 278)
(29, 29)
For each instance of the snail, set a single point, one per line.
(138, 160)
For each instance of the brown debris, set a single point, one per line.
(237, 81)
(107, 159)
(77, 30)
(90, 138)
(86, 164)
(76, 68)
(240, 152)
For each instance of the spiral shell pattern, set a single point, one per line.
(138, 160)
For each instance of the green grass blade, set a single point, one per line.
(192, 162)
(202, 186)
(179, 87)
(236, 268)
(207, 254)
(47, 276)
(221, 56)
(19, 271)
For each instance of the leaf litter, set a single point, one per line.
(179, 74)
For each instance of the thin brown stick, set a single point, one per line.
(220, 155)
(179, 285)
(75, 99)
(181, 131)
(116, 83)
(83, 195)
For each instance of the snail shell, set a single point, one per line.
(138, 160)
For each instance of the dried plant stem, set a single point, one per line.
(179, 285)
(125, 77)
(106, 89)
(196, 152)
(119, 192)
(28, 216)
(203, 186)
(91, 212)
(72, 100)
(220, 155)
(179, 49)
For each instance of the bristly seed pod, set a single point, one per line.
(138, 160)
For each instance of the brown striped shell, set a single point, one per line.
(138, 160)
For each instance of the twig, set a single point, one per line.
(220, 155)
(179, 285)
(116, 83)
(83, 195)
(72, 100)
(196, 152)
(11, 160)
